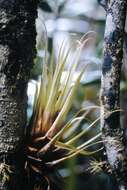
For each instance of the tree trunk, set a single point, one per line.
(112, 133)
(17, 50)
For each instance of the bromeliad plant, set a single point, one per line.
(46, 134)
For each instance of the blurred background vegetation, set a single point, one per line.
(69, 20)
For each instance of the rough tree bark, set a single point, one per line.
(112, 132)
(17, 49)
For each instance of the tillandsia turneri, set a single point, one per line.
(46, 142)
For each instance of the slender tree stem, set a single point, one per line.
(112, 132)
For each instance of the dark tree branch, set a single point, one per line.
(112, 132)
(17, 49)
(103, 3)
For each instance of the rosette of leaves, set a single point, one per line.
(49, 139)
